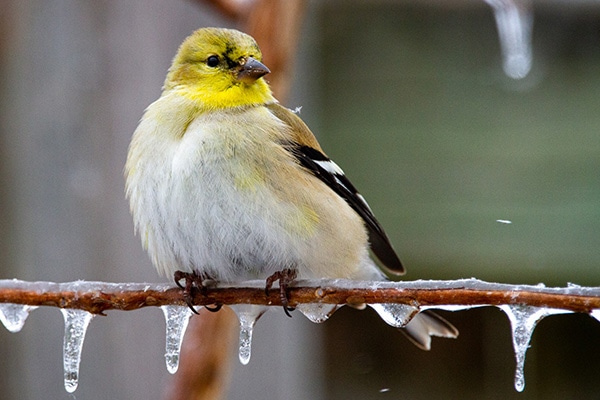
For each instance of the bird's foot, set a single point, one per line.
(193, 280)
(285, 277)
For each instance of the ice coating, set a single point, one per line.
(176, 321)
(76, 323)
(13, 316)
(452, 307)
(247, 314)
(317, 312)
(396, 315)
(514, 19)
(81, 286)
(523, 320)
(472, 283)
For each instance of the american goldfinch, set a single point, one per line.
(227, 184)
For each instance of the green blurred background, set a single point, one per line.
(409, 97)
(419, 113)
(422, 118)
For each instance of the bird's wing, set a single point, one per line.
(306, 149)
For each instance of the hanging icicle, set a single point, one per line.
(514, 20)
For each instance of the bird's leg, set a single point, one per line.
(192, 280)
(285, 277)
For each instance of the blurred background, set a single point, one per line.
(409, 97)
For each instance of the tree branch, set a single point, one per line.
(98, 297)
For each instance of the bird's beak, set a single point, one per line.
(251, 70)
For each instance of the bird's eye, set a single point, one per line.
(212, 61)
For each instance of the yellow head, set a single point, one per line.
(219, 68)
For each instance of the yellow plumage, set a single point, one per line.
(216, 88)
(223, 182)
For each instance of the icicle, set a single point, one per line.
(514, 19)
(396, 315)
(248, 314)
(76, 323)
(176, 321)
(523, 320)
(13, 316)
(317, 312)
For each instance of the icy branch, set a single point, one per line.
(395, 302)
(98, 297)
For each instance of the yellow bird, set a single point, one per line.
(224, 183)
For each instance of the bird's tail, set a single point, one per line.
(425, 325)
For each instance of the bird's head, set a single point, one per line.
(220, 68)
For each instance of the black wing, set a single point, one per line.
(327, 171)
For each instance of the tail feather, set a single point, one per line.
(425, 325)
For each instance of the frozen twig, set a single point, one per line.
(98, 297)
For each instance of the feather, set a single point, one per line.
(333, 176)
(305, 147)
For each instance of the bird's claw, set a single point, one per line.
(193, 280)
(285, 277)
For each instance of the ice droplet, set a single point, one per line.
(523, 320)
(248, 314)
(13, 316)
(176, 321)
(317, 312)
(514, 19)
(76, 323)
(396, 315)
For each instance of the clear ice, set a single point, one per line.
(76, 323)
(523, 320)
(176, 321)
(317, 312)
(13, 316)
(248, 314)
(514, 19)
(396, 315)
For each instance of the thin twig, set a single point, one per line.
(98, 297)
